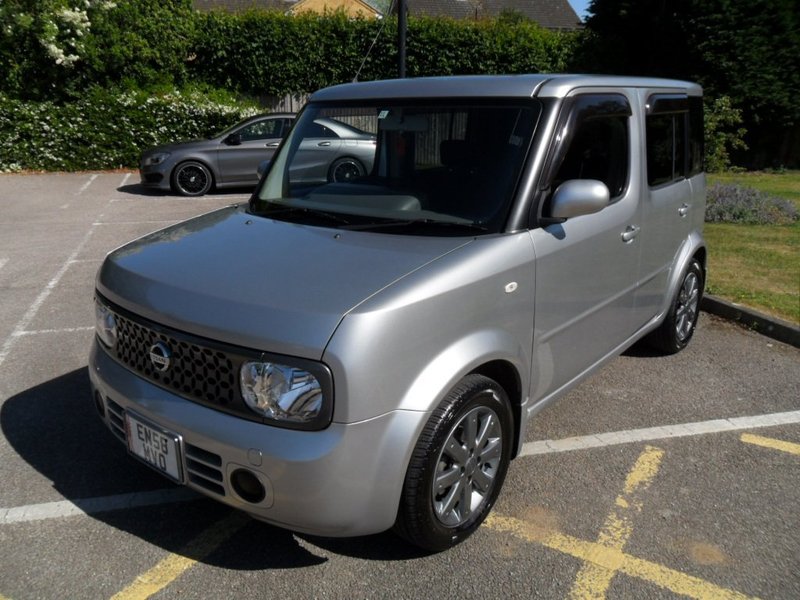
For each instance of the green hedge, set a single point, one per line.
(106, 129)
(51, 52)
(269, 54)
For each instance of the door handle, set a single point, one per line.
(324, 144)
(684, 209)
(273, 144)
(631, 231)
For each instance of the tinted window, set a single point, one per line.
(696, 136)
(660, 149)
(674, 132)
(597, 147)
(315, 130)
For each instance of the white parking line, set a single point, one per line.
(87, 184)
(89, 506)
(600, 440)
(29, 315)
(45, 331)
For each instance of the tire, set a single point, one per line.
(458, 466)
(345, 169)
(674, 334)
(192, 178)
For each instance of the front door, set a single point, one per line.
(256, 142)
(587, 267)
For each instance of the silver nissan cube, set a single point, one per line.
(347, 356)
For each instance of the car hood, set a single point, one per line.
(258, 283)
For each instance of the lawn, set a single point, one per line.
(758, 265)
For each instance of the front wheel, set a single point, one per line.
(458, 466)
(345, 169)
(192, 178)
(674, 333)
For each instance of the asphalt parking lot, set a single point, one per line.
(661, 477)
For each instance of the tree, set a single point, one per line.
(748, 51)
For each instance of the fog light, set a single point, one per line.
(247, 486)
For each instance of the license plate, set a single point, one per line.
(154, 445)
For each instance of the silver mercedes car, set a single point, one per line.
(341, 357)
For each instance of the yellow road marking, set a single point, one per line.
(613, 559)
(766, 442)
(169, 569)
(593, 580)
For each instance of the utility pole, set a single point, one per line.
(402, 28)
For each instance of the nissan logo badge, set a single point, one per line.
(160, 356)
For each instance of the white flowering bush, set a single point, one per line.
(105, 129)
(55, 49)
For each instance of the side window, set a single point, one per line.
(262, 130)
(597, 137)
(674, 132)
(696, 136)
(316, 130)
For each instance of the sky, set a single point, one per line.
(579, 6)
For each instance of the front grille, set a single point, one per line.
(198, 369)
(116, 418)
(196, 372)
(204, 469)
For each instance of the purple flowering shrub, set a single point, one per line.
(732, 203)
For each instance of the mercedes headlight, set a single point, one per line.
(289, 395)
(155, 159)
(105, 324)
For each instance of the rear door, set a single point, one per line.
(587, 266)
(319, 148)
(668, 203)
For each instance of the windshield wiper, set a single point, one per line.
(424, 223)
(331, 217)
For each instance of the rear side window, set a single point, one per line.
(597, 142)
(674, 132)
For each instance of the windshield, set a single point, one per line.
(400, 168)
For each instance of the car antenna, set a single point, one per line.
(374, 41)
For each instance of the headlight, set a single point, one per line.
(289, 395)
(105, 324)
(154, 159)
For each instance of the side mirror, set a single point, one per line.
(578, 197)
(233, 139)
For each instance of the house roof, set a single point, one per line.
(283, 5)
(552, 14)
(352, 8)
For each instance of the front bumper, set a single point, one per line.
(343, 481)
(156, 176)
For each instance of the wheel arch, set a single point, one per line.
(508, 377)
(693, 248)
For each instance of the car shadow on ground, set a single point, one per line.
(54, 427)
